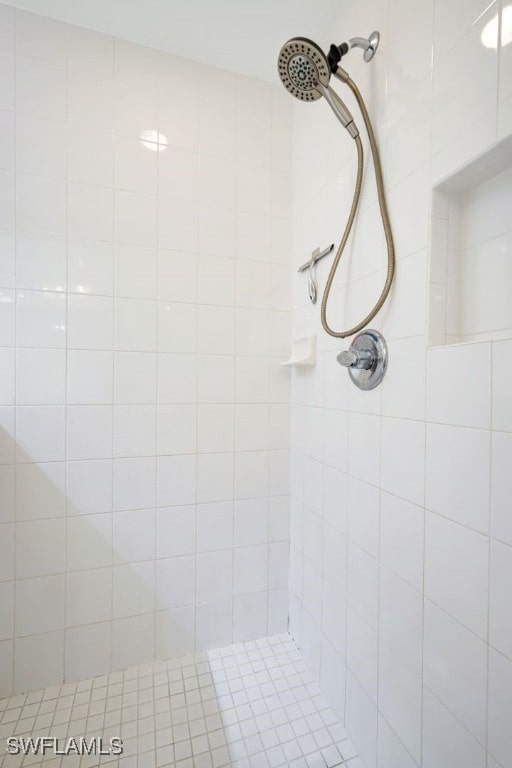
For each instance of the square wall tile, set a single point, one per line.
(175, 582)
(90, 155)
(364, 450)
(40, 319)
(40, 88)
(89, 432)
(7, 610)
(89, 486)
(134, 483)
(362, 587)
(177, 431)
(176, 480)
(8, 317)
(90, 212)
(135, 272)
(88, 596)
(214, 576)
(456, 571)
(40, 491)
(455, 669)
(361, 721)
(90, 322)
(459, 385)
(501, 402)
(175, 632)
(500, 614)
(41, 146)
(214, 526)
(89, 542)
(214, 622)
(403, 451)
(401, 620)
(249, 616)
(175, 531)
(135, 377)
(400, 700)
(29, 673)
(457, 474)
(135, 430)
(362, 653)
(41, 262)
(133, 589)
(136, 218)
(40, 433)
(177, 327)
(40, 548)
(133, 639)
(391, 752)
(445, 741)
(135, 325)
(133, 536)
(251, 522)
(89, 377)
(250, 569)
(88, 651)
(500, 678)
(501, 486)
(402, 539)
(7, 544)
(40, 605)
(90, 267)
(40, 376)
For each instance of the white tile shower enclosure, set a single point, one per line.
(401, 497)
(144, 311)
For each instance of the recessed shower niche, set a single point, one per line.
(470, 288)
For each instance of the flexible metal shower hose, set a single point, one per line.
(353, 211)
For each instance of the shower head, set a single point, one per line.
(305, 73)
(302, 67)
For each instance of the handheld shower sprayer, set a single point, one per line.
(305, 72)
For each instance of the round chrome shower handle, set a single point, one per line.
(366, 359)
(356, 358)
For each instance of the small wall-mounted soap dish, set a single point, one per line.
(303, 353)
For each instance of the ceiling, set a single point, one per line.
(239, 35)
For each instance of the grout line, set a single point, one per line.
(489, 553)
(15, 421)
(65, 579)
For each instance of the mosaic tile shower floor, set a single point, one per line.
(250, 705)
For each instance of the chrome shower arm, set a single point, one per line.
(368, 44)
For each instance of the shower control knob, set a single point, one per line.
(354, 358)
(366, 360)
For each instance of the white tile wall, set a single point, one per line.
(144, 310)
(408, 485)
